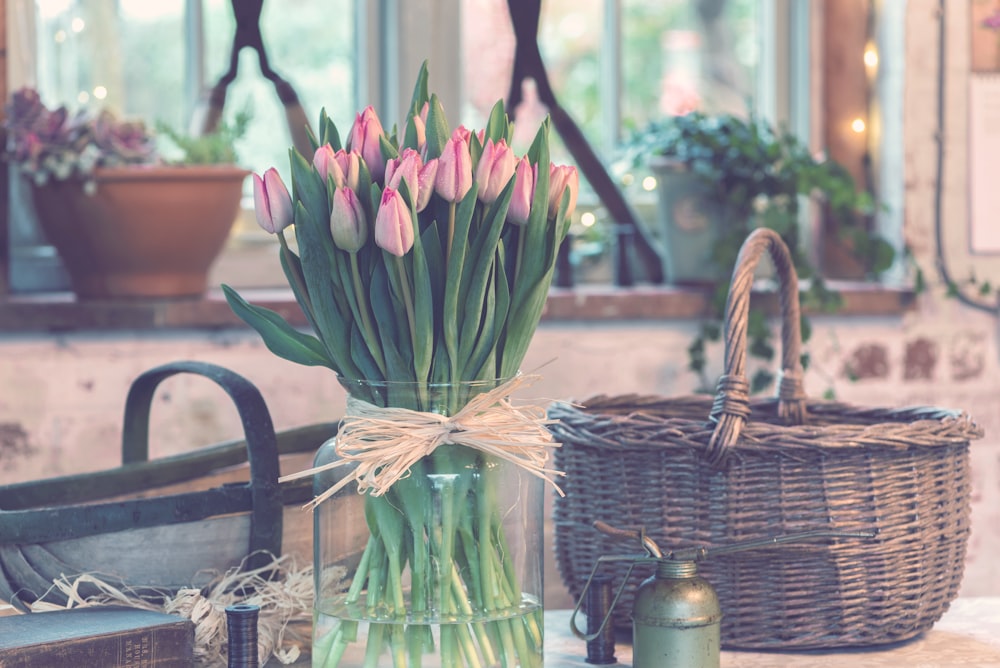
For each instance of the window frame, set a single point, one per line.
(383, 78)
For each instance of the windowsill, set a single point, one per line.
(61, 312)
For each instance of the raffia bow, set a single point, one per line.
(386, 442)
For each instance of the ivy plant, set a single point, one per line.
(763, 175)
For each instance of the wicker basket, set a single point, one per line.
(697, 472)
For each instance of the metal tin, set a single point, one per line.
(676, 619)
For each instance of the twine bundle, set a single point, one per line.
(385, 442)
(283, 592)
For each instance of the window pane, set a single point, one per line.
(682, 55)
(139, 59)
(666, 57)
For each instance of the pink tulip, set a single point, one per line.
(524, 192)
(454, 172)
(495, 169)
(347, 221)
(463, 133)
(560, 178)
(420, 126)
(365, 139)
(404, 168)
(419, 177)
(350, 166)
(393, 224)
(271, 201)
(325, 162)
(426, 179)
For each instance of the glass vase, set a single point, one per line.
(442, 569)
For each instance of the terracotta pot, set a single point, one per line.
(146, 231)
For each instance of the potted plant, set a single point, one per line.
(720, 176)
(125, 221)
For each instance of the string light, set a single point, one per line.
(858, 125)
(649, 183)
(871, 57)
(587, 219)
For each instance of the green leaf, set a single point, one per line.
(437, 128)
(423, 309)
(454, 279)
(328, 132)
(280, 338)
(482, 363)
(496, 125)
(309, 190)
(329, 305)
(417, 100)
(292, 267)
(392, 325)
(477, 273)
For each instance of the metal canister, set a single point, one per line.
(676, 619)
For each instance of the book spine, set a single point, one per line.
(161, 647)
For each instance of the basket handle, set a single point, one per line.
(731, 407)
(262, 448)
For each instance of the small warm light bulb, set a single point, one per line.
(82, 97)
(100, 92)
(77, 25)
(649, 183)
(60, 36)
(627, 179)
(858, 125)
(871, 57)
(587, 219)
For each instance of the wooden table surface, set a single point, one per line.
(968, 635)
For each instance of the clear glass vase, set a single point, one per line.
(444, 569)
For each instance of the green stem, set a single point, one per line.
(397, 645)
(376, 640)
(451, 231)
(364, 306)
(300, 285)
(354, 593)
(404, 285)
(521, 234)
(485, 646)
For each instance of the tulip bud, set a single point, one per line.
(463, 133)
(419, 177)
(350, 166)
(393, 224)
(524, 192)
(420, 127)
(426, 178)
(271, 202)
(495, 169)
(325, 162)
(561, 178)
(454, 172)
(348, 226)
(365, 140)
(404, 168)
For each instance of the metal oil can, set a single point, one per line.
(676, 615)
(676, 619)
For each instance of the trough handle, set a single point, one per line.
(262, 446)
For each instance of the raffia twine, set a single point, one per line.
(283, 592)
(385, 442)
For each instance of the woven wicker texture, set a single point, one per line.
(701, 472)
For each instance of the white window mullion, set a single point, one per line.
(611, 75)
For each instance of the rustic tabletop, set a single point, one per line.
(967, 635)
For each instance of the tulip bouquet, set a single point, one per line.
(424, 261)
